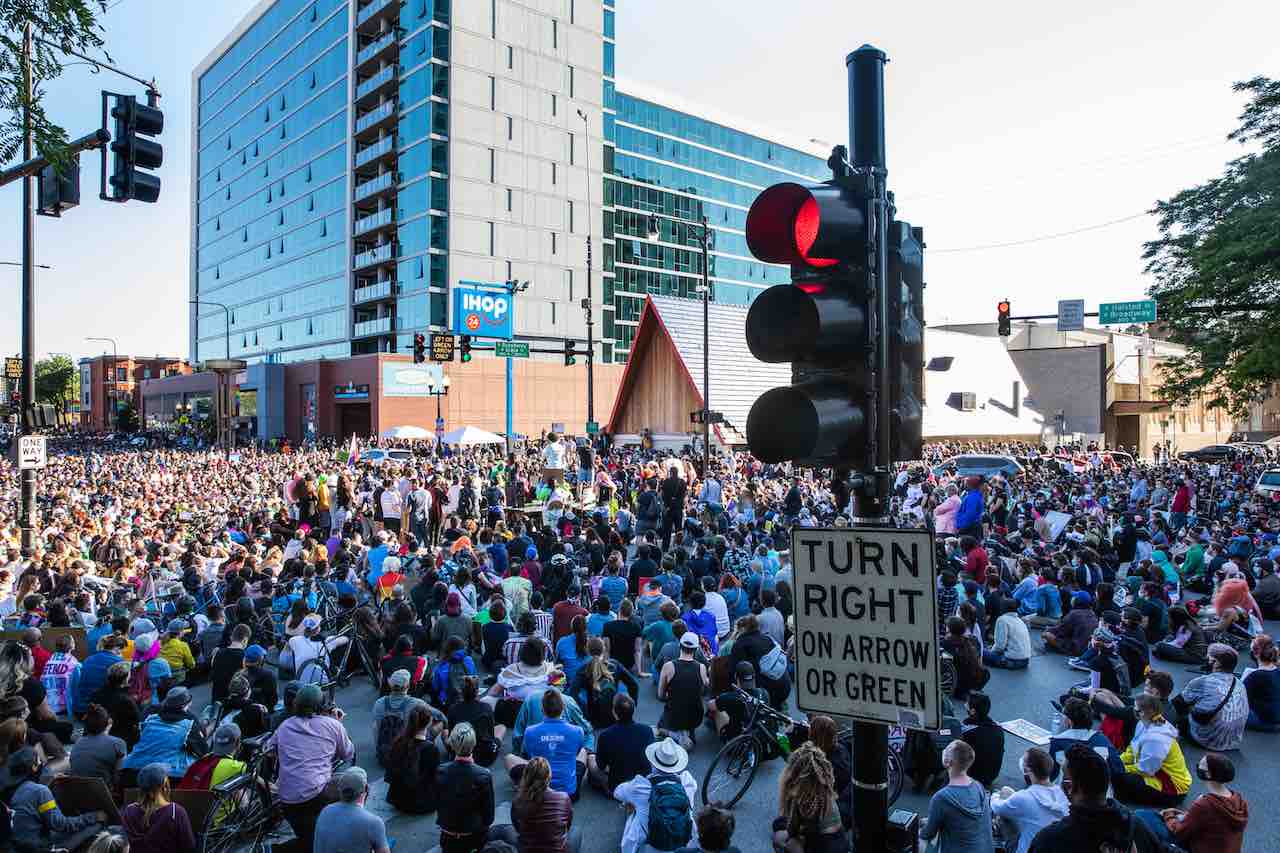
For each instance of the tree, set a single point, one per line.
(1219, 245)
(72, 24)
(57, 381)
(127, 418)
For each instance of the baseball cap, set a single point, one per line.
(177, 626)
(225, 739)
(400, 679)
(255, 653)
(310, 623)
(177, 698)
(152, 776)
(689, 640)
(352, 783)
(1104, 635)
(745, 671)
(1082, 596)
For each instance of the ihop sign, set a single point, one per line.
(481, 311)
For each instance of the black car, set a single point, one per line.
(1210, 453)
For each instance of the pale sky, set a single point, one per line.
(1006, 121)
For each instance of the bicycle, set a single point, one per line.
(245, 812)
(770, 734)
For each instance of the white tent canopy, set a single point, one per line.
(468, 435)
(414, 432)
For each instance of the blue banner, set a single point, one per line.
(480, 311)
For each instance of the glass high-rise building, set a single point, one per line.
(355, 159)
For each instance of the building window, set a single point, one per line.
(553, 173)
(570, 81)
(570, 216)
(493, 93)
(511, 128)
(571, 155)
(553, 313)
(511, 57)
(555, 34)
(493, 18)
(493, 165)
(569, 276)
(553, 242)
(571, 11)
(509, 199)
(493, 249)
(508, 270)
(553, 103)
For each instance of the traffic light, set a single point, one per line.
(132, 152)
(570, 354)
(1002, 318)
(906, 341)
(419, 348)
(818, 323)
(464, 346)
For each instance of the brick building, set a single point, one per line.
(108, 382)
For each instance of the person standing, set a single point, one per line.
(969, 516)
(674, 491)
(681, 684)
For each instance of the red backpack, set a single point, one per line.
(199, 776)
(140, 684)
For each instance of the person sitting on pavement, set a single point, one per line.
(1214, 709)
(114, 697)
(1071, 636)
(262, 681)
(559, 741)
(1094, 822)
(810, 819)
(37, 822)
(346, 825)
(1188, 643)
(532, 673)
(541, 816)
(753, 646)
(620, 749)
(1079, 718)
(1012, 646)
(170, 736)
(403, 657)
(250, 717)
(1024, 813)
(1044, 608)
(466, 807)
(960, 812)
(970, 674)
(667, 770)
(729, 711)
(411, 763)
(825, 735)
(94, 669)
(715, 831)
(470, 709)
(98, 753)
(598, 681)
(176, 652)
(154, 824)
(1216, 820)
(986, 737)
(398, 704)
(1155, 769)
(227, 661)
(1262, 685)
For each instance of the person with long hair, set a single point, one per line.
(471, 709)
(571, 651)
(154, 824)
(541, 815)
(824, 734)
(412, 764)
(810, 817)
(964, 652)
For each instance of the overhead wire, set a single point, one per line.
(1042, 238)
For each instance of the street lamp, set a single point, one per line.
(115, 357)
(704, 238)
(226, 316)
(438, 388)
(586, 303)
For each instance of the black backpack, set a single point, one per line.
(600, 708)
(388, 730)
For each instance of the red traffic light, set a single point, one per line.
(1002, 308)
(793, 224)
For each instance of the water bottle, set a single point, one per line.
(1055, 722)
(784, 743)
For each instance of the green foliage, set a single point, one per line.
(57, 381)
(127, 418)
(1219, 245)
(72, 24)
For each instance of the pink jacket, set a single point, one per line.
(944, 517)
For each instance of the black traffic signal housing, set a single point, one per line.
(132, 151)
(464, 347)
(818, 323)
(419, 348)
(1003, 324)
(570, 353)
(906, 341)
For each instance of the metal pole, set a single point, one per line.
(510, 400)
(588, 303)
(706, 358)
(28, 300)
(866, 136)
(226, 314)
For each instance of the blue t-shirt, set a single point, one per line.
(377, 554)
(616, 588)
(567, 654)
(558, 742)
(597, 621)
(501, 560)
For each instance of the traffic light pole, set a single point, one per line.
(28, 493)
(871, 487)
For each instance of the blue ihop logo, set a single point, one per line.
(482, 312)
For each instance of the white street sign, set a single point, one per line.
(31, 452)
(867, 625)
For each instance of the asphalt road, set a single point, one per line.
(1015, 694)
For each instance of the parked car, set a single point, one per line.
(381, 456)
(980, 466)
(1210, 453)
(1268, 484)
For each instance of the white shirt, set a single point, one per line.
(421, 497)
(553, 455)
(717, 607)
(391, 503)
(636, 794)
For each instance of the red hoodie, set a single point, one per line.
(1213, 824)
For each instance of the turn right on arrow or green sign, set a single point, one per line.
(1123, 313)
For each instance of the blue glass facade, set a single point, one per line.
(321, 160)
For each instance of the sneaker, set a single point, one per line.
(1076, 663)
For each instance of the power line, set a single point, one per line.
(1042, 238)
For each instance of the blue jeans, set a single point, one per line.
(999, 661)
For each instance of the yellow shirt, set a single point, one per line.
(177, 654)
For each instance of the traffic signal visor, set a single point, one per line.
(811, 225)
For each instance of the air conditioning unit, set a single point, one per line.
(968, 401)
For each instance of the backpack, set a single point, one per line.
(773, 664)
(600, 708)
(199, 776)
(447, 682)
(670, 817)
(139, 687)
(388, 730)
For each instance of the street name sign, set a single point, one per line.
(1124, 313)
(867, 625)
(592, 427)
(511, 349)
(1070, 315)
(31, 452)
(442, 346)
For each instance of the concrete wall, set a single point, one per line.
(1069, 379)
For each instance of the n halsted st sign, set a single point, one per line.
(867, 625)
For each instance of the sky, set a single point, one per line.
(1005, 122)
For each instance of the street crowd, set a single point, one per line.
(514, 610)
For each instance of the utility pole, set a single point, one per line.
(28, 513)
(587, 303)
(706, 355)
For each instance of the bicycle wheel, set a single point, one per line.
(731, 771)
(947, 675)
(895, 775)
(237, 817)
